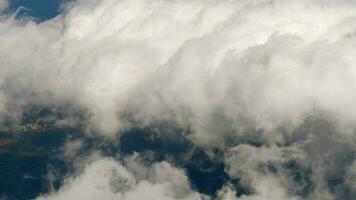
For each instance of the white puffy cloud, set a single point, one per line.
(216, 67)
(107, 179)
(255, 63)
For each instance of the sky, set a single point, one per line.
(198, 99)
(40, 9)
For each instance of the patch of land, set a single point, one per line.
(4, 142)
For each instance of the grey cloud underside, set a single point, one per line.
(266, 89)
(299, 168)
(3, 5)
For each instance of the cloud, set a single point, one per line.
(214, 66)
(252, 164)
(223, 71)
(350, 177)
(107, 179)
(314, 163)
(3, 5)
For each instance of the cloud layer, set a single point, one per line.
(281, 71)
(255, 63)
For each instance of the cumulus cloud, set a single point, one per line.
(309, 166)
(107, 179)
(252, 166)
(255, 63)
(222, 70)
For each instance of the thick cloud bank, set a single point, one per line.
(253, 63)
(277, 75)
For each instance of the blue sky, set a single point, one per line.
(40, 9)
